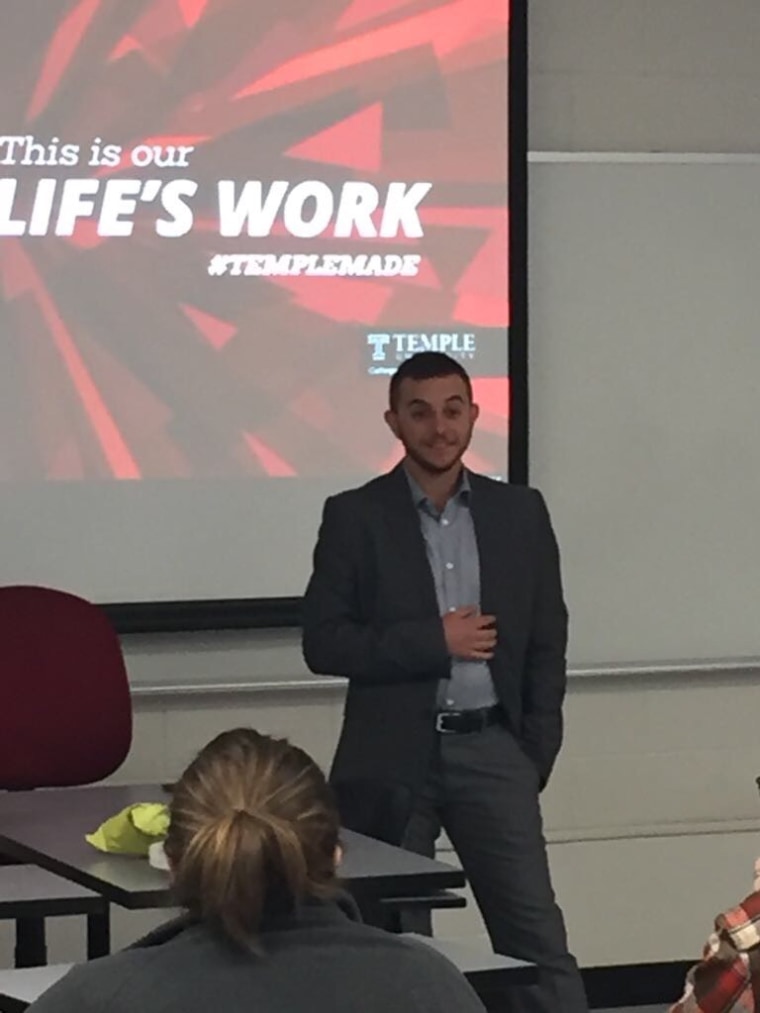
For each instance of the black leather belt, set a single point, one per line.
(461, 722)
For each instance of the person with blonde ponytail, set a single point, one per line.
(253, 848)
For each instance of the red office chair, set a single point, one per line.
(65, 719)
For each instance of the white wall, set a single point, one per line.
(644, 75)
(652, 812)
(679, 753)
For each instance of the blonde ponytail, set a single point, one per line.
(253, 833)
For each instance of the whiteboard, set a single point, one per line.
(645, 400)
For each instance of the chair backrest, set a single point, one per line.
(65, 708)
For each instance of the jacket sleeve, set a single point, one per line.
(337, 639)
(545, 664)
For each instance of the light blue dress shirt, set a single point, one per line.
(452, 552)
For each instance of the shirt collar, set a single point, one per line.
(462, 491)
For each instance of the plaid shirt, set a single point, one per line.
(727, 980)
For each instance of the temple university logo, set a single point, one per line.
(379, 343)
(389, 348)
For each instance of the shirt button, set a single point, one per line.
(452, 608)
(445, 522)
(449, 703)
(449, 566)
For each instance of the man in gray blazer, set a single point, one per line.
(436, 592)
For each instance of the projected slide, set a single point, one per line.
(223, 224)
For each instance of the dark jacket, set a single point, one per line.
(320, 961)
(371, 615)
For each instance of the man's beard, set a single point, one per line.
(430, 466)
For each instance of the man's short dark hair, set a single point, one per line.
(426, 366)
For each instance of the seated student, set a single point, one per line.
(727, 979)
(252, 846)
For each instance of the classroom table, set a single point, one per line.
(20, 987)
(46, 827)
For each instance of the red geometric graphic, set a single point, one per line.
(445, 28)
(63, 47)
(192, 11)
(355, 143)
(367, 10)
(217, 332)
(271, 462)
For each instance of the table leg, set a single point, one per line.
(31, 950)
(99, 934)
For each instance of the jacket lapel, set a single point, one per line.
(492, 532)
(409, 546)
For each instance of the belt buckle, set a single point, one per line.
(439, 723)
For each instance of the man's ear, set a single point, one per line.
(391, 420)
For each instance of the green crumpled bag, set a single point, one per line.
(133, 830)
